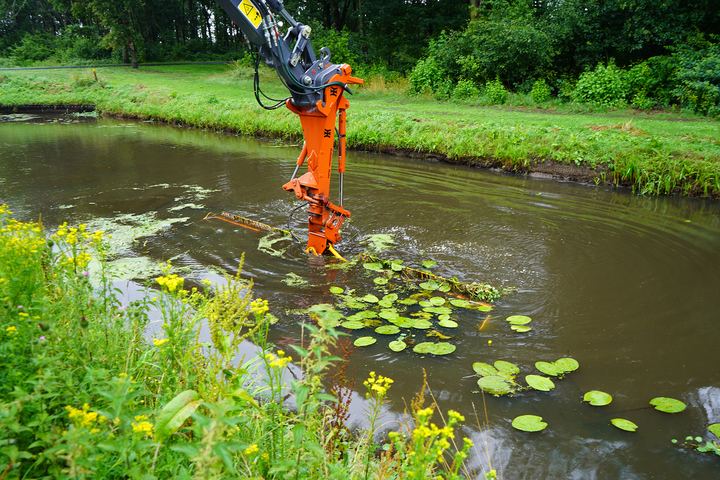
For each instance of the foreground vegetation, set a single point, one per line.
(86, 393)
(576, 141)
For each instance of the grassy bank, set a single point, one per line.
(654, 153)
(84, 393)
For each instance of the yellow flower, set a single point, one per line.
(160, 342)
(251, 449)
(11, 330)
(144, 427)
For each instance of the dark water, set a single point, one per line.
(628, 286)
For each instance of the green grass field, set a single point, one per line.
(652, 152)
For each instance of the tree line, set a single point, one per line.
(439, 43)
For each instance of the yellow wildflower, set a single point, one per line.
(144, 427)
(160, 342)
(251, 449)
(11, 330)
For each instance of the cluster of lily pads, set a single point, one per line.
(519, 323)
(425, 311)
(499, 378)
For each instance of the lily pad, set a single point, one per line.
(387, 330)
(437, 301)
(374, 267)
(388, 314)
(364, 341)
(426, 303)
(362, 315)
(370, 298)
(529, 423)
(397, 346)
(484, 308)
(520, 328)
(447, 323)
(337, 290)
(443, 348)
(495, 385)
(429, 286)
(623, 424)
(483, 369)
(458, 302)
(354, 304)
(506, 367)
(439, 310)
(668, 405)
(408, 301)
(597, 398)
(420, 323)
(402, 322)
(372, 322)
(390, 297)
(567, 364)
(424, 347)
(715, 429)
(380, 280)
(429, 263)
(518, 320)
(549, 368)
(353, 324)
(537, 382)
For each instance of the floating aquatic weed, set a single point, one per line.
(520, 328)
(443, 348)
(294, 280)
(370, 298)
(623, 424)
(447, 323)
(483, 369)
(507, 368)
(379, 242)
(518, 320)
(420, 323)
(402, 322)
(372, 322)
(389, 314)
(390, 297)
(396, 265)
(438, 310)
(423, 347)
(355, 304)
(668, 405)
(364, 341)
(380, 280)
(495, 385)
(429, 263)
(715, 429)
(537, 382)
(397, 345)
(437, 301)
(529, 423)
(435, 333)
(567, 364)
(353, 324)
(337, 290)
(549, 369)
(387, 329)
(374, 266)
(408, 301)
(597, 398)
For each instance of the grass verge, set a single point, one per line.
(652, 153)
(84, 394)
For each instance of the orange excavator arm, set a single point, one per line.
(317, 95)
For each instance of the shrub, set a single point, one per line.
(495, 92)
(465, 89)
(540, 91)
(699, 79)
(605, 86)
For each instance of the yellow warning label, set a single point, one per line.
(249, 10)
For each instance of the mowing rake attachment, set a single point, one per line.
(247, 223)
(478, 291)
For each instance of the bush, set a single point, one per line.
(605, 86)
(540, 91)
(465, 89)
(495, 92)
(428, 77)
(699, 80)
